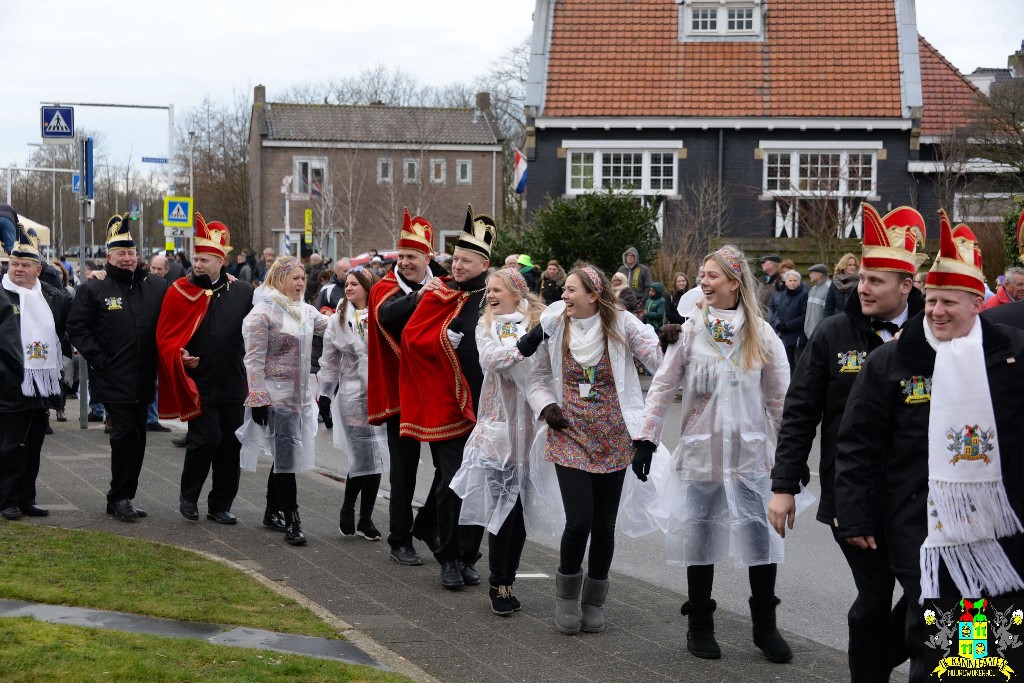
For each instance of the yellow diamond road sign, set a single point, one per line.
(178, 212)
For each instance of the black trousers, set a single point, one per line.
(212, 444)
(127, 448)
(505, 548)
(458, 541)
(591, 503)
(700, 579)
(405, 461)
(21, 441)
(876, 642)
(282, 491)
(367, 485)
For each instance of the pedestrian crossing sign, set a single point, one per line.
(178, 212)
(58, 124)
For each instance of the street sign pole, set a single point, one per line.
(83, 367)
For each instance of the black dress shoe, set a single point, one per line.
(274, 520)
(156, 427)
(432, 540)
(222, 517)
(189, 510)
(123, 510)
(406, 556)
(451, 574)
(94, 417)
(180, 443)
(61, 416)
(139, 511)
(49, 429)
(470, 575)
(33, 510)
(11, 513)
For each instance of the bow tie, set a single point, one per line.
(879, 325)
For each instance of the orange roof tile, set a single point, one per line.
(829, 59)
(948, 96)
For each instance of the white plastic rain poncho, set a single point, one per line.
(713, 496)
(343, 368)
(278, 335)
(495, 464)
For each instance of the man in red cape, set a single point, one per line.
(392, 302)
(200, 371)
(440, 386)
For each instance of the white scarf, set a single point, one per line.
(39, 343)
(967, 505)
(507, 328)
(406, 288)
(722, 329)
(586, 340)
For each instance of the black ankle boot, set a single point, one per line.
(293, 529)
(347, 525)
(273, 519)
(766, 633)
(700, 634)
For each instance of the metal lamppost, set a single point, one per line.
(191, 165)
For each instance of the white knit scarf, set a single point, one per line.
(967, 505)
(40, 346)
(586, 340)
(507, 328)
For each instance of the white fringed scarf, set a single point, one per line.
(40, 346)
(967, 505)
(507, 328)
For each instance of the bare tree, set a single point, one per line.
(700, 213)
(997, 128)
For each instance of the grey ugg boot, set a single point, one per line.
(594, 594)
(766, 633)
(567, 602)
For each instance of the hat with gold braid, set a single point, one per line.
(417, 233)
(212, 238)
(26, 244)
(958, 265)
(891, 242)
(118, 234)
(478, 233)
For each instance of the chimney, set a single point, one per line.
(1016, 62)
(483, 102)
(259, 94)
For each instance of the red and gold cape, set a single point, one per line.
(183, 310)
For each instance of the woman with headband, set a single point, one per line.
(278, 335)
(590, 393)
(733, 373)
(491, 479)
(343, 381)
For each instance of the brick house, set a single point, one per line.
(356, 167)
(796, 109)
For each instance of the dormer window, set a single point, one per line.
(702, 20)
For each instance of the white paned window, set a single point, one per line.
(704, 19)
(385, 171)
(438, 171)
(411, 171)
(819, 187)
(740, 19)
(308, 175)
(729, 19)
(642, 172)
(464, 171)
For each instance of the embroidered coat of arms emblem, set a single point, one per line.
(917, 389)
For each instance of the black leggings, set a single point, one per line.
(591, 503)
(282, 491)
(700, 577)
(367, 485)
(505, 548)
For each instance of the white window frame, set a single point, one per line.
(600, 148)
(406, 178)
(699, 10)
(468, 165)
(435, 166)
(302, 184)
(787, 221)
(383, 162)
(971, 200)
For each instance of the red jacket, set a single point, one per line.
(999, 299)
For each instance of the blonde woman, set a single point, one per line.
(844, 283)
(495, 463)
(278, 335)
(343, 381)
(733, 373)
(587, 390)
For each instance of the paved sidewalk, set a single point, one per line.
(452, 636)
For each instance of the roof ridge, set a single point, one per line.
(369, 106)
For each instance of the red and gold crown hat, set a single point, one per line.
(891, 242)
(958, 265)
(417, 233)
(212, 238)
(1020, 235)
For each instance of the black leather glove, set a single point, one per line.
(669, 334)
(642, 458)
(531, 341)
(324, 404)
(781, 327)
(261, 415)
(553, 415)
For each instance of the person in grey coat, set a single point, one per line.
(818, 275)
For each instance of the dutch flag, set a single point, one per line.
(520, 172)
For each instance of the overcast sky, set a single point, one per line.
(144, 52)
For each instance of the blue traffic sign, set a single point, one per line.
(58, 123)
(154, 160)
(76, 182)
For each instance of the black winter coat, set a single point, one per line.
(550, 290)
(882, 457)
(218, 343)
(818, 392)
(468, 317)
(12, 367)
(59, 302)
(113, 325)
(396, 311)
(789, 306)
(1007, 314)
